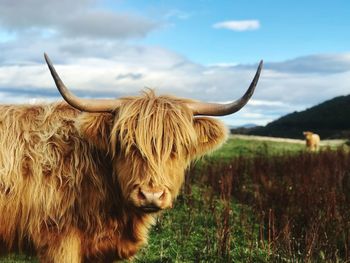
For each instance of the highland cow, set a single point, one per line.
(312, 140)
(83, 180)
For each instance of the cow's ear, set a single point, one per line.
(96, 128)
(211, 134)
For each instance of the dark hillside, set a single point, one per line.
(330, 119)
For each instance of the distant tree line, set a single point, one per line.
(330, 119)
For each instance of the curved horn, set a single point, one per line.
(89, 105)
(216, 109)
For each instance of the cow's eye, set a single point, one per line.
(174, 152)
(118, 148)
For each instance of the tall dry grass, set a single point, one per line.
(302, 202)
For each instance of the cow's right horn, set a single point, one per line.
(89, 105)
(217, 109)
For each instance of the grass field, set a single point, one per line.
(234, 208)
(237, 146)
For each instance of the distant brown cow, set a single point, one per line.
(312, 140)
(83, 181)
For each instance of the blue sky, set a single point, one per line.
(205, 49)
(288, 29)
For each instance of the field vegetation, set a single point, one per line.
(257, 201)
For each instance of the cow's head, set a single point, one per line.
(152, 139)
(308, 135)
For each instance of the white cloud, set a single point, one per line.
(178, 14)
(106, 24)
(238, 25)
(84, 42)
(318, 64)
(122, 70)
(71, 19)
(224, 64)
(267, 103)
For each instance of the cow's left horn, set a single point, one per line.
(216, 109)
(89, 105)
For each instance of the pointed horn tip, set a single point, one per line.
(261, 63)
(258, 71)
(47, 59)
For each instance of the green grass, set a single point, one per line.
(235, 147)
(194, 231)
(18, 259)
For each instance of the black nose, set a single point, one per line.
(150, 208)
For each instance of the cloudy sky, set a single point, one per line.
(202, 49)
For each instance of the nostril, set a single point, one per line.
(141, 195)
(162, 196)
(150, 196)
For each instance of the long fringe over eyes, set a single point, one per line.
(156, 129)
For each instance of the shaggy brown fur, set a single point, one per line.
(67, 178)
